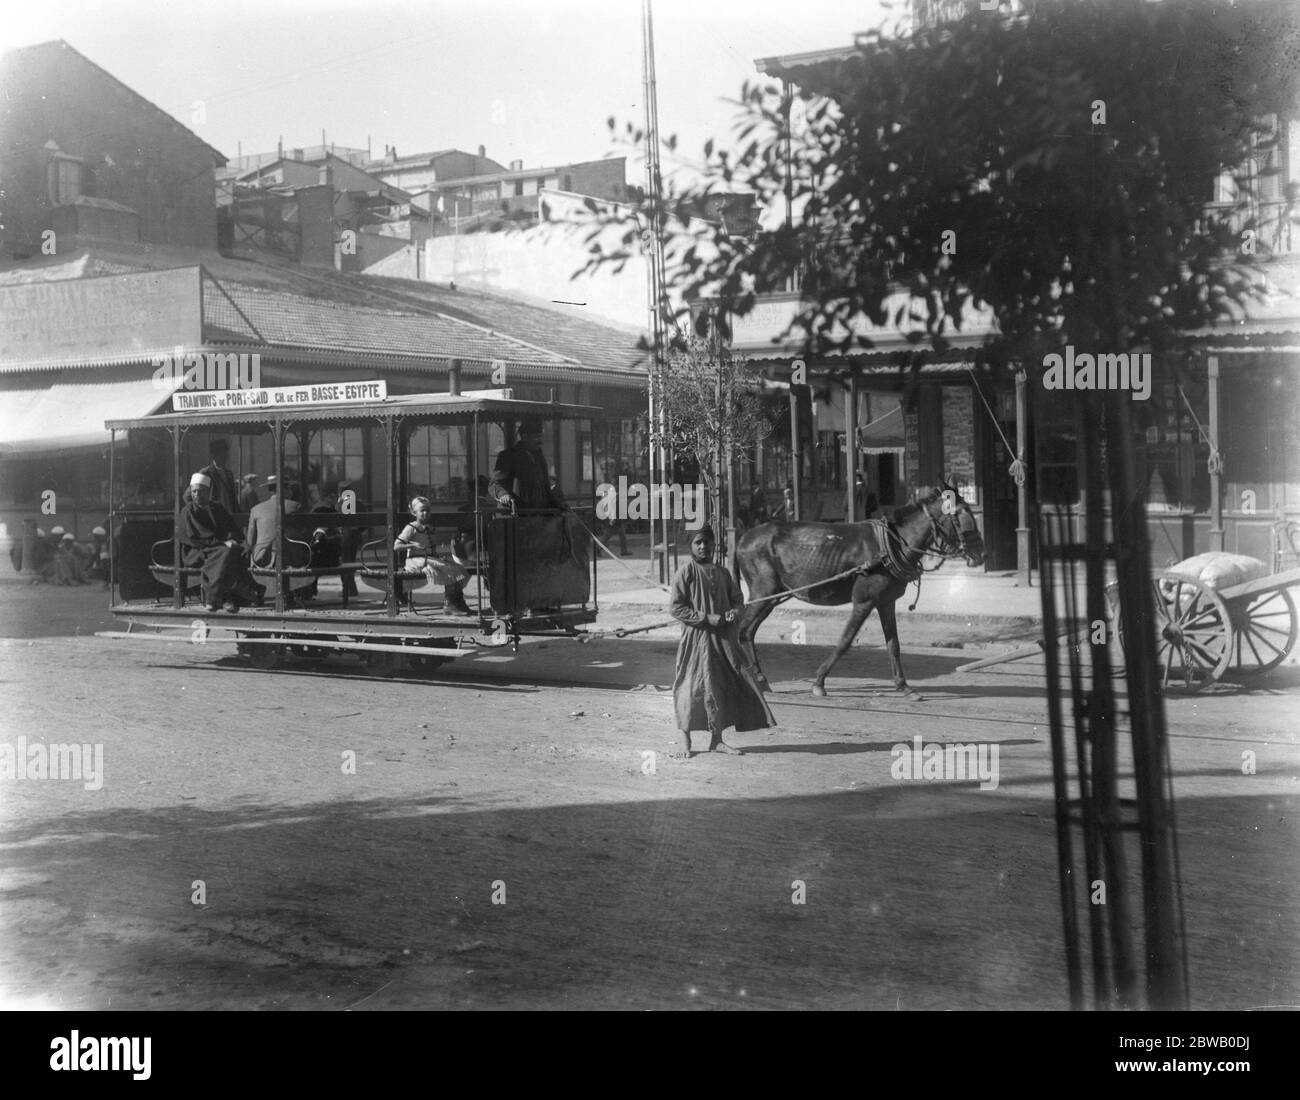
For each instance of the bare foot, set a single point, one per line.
(682, 750)
(719, 745)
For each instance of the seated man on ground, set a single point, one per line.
(68, 568)
(416, 539)
(212, 544)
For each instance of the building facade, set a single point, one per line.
(82, 155)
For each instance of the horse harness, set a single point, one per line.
(894, 551)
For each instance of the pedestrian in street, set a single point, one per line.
(785, 513)
(712, 688)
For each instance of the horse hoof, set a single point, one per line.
(819, 691)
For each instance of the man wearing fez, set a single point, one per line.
(220, 477)
(249, 497)
(211, 543)
(521, 478)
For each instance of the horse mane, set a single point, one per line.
(914, 507)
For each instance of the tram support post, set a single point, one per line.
(178, 596)
(277, 444)
(795, 454)
(390, 487)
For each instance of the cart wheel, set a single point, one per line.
(1263, 631)
(1193, 633)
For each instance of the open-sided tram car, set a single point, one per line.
(529, 571)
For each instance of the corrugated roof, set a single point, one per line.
(411, 405)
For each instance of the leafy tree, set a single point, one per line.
(713, 412)
(1053, 166)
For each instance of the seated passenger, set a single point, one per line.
(211, 543)
(416, 539)
(264, 524)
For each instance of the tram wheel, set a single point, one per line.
(265, 657)
(312, 654)
(425, 664)
(383, 665)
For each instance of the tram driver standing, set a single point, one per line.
(212, 544)
(521, 478)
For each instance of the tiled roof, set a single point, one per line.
(601, 346)
(291, 320)
(288, 305)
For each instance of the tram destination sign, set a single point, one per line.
(324, 393)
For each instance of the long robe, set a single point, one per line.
(712, 689)
(203, 533)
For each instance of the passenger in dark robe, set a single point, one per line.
(712, 688)
(521, 478)
(211, 543)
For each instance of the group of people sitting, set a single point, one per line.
(212, 542)
(58, 558)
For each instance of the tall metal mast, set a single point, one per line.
(654, 249)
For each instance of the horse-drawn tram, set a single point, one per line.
(389, 533)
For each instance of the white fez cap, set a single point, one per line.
(56, 530)
(200, 479)
(69, 537)
(98, 531)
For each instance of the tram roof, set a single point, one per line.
(435, 405)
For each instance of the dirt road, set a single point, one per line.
(502, 837)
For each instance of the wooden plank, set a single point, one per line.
(1272, 583)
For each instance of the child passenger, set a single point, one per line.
(417, 539)
(712, 688)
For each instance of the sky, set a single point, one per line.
(530, 80)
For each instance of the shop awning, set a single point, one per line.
(60, 417)
(884, 433)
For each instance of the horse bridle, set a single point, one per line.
(943, 546)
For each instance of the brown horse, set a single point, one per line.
(884, 558)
